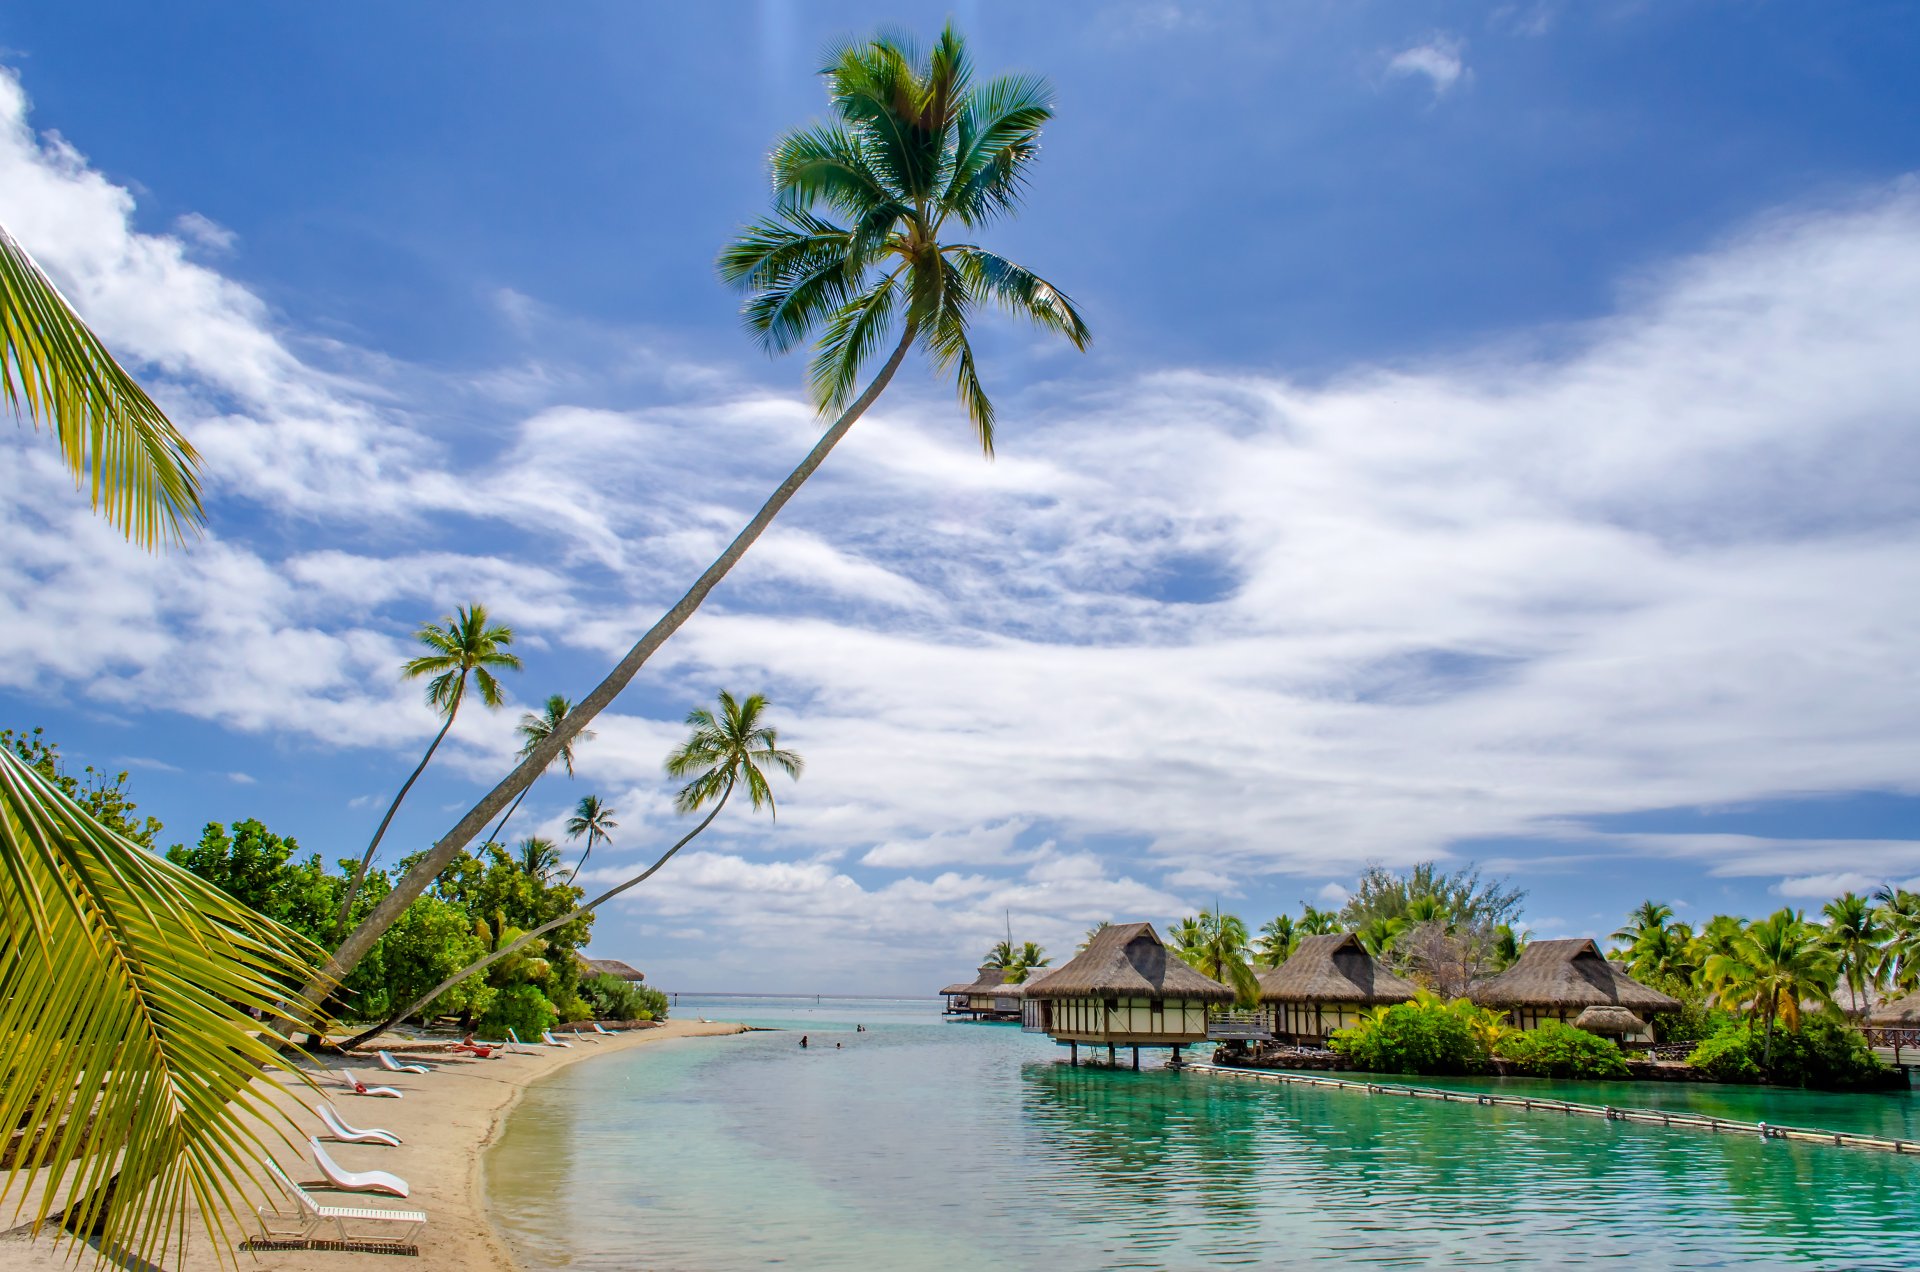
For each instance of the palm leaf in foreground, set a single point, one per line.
(143, 472)
(124, 1040)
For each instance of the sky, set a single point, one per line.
(1497, 446)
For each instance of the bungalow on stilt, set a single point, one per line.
(1126, 989)
(1327, 983)
(1560, 980)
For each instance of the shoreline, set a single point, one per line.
(444, 1118)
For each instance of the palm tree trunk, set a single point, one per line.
(428, 868)
(366, 858)
(1766, 1054)
(482, 965)
(493, 836)
(582, 861)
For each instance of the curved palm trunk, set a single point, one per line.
(493, 836)
(366, 858)
(428, 868)
(574, 873)
(484, 963)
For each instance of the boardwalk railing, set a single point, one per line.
(1613, 1113)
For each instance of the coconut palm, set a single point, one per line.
(1377, 935)
(729, 751)
(538, 859)
(593, 819)
(1648, 917)
(1900, 952)
(467, 646)
(1092, 932)
(1215, 944)
(1775, 965)
(916, 153)
(1317, 922)
(1853, 933)
(1277, 940)
(126, 980)
(1027, 960)
(1000, 956)
(533, 730)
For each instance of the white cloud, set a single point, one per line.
(208, 233)
(1332, 894)
(1439, 60)
(1824, 887)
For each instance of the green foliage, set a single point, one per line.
(256, 867)
(1216, 945)
(1462, 895)
(521, 1008)
(103, 798)
(1557, 1050)
(431, 941)
(1825, 1053)
(1424, 1036)
(615, 999)
(1697, 1018)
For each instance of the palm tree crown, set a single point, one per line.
(538, 858)
(465, 645)
(915, 148)
(1215, 944)
(729, 750)
(594, 819)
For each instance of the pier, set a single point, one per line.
(1570, 1108)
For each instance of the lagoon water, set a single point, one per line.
(924, 1143)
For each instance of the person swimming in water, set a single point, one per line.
(803, 1040)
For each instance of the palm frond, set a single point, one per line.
(786, 313)
(124, 984)
(949, 347)
(852, 336)
(143, 474)
(1021, 292)
(826, 164)
(996, 137)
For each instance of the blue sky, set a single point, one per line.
(1498, 444)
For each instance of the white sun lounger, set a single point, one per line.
(311, 1218)
(356, 1180)
(546, 1036)
(391, 1065)
(338, 1129)
(357, 1087)
(601, 1029)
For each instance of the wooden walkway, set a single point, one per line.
(1613, 1113)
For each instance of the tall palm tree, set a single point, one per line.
(1853, 933)
(1648, 917)
(538, 858)
(1215, 944)
(728, 751)
(1900, 952)
(126, 978)
(594, 819)
(916, 151)
(533, 730)
(1277, 939)
(1776, 964)
(467, 646)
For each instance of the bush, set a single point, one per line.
(1424, 1036)
(1827, 1054)
(521, 1008)
(1558, 1050)
(1695, 1020)
(614, 999)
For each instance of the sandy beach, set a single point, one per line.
(444, 1120)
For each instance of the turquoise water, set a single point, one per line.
(931, 1144)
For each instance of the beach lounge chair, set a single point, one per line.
(338, 1129)
(391, 1065)
(311, 1218)
(355, 1180)
(602, 1029)
(355, 1085)
(546, 1036)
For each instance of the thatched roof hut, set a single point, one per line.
(1901, 1013)
(1615, 1022)
(1128, 960)
(989, 983)
(1126, 989)
(1557, 980)
(1333, 969)
(610, 967)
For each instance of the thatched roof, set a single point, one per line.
(1127, 960)
(1332, 969)
(1609, 1020)
(988, 980)
(1568, 974)
(1901, 1013)
(610, 967)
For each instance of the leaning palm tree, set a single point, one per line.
(533, 730)
(594, 819)
(727, 752)
(1854, 935)
(861, 250)
(465, 646)
(129, 1060)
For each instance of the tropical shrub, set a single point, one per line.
(1423, 1036)
(1558, 1050)
(1696, 1019)
(1826, 1053)
(614, 999)
(521, 1008)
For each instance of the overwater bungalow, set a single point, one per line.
(610, 967)
(1327, 983)
(990, 995)
(1561, 980)
(1126, 989)
(1896, 1024)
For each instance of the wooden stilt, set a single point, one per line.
(1073, 1053)
(1136, 1059)
(1110, 1054)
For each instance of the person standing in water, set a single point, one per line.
(803, 1040)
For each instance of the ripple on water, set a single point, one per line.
(923, 1144)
